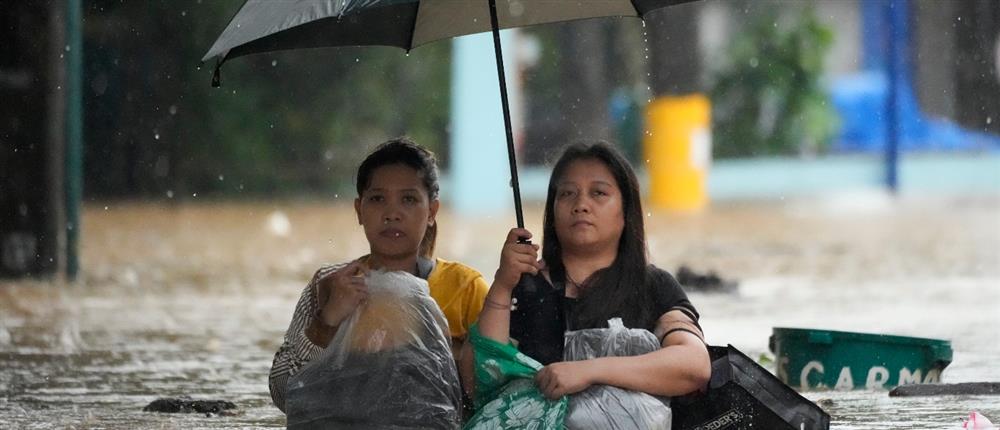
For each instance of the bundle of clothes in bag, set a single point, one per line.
(389, 365)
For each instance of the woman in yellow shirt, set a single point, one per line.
(397, 205)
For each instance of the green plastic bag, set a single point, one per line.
(506, 394)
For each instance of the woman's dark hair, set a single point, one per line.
(619, 290)
(404, 151)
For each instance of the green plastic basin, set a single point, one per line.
(812, 359)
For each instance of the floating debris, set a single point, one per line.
(186, 405)
(706, 283)
(965, 388)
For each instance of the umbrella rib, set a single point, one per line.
(636, 7)
(222, 56)
(413, 28)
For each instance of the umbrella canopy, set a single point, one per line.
(271, 25)
(268, 25)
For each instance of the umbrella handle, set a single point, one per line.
(511, 158)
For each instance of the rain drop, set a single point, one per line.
(105, 208)
(173, 109)
(222, 178)
(357, 60)
(989, 120)
(68, 48)
(272, 125)
(194, 194)
(754, 62)
(649, 214)
(516, 8)
(234, 91)
(156, 135)
(274, 63)
(278, 224)
(328, 155)
(336, 196)
(184, 13)
(170, 194)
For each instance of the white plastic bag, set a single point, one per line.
(604, 406)
(388, 366)
(977, 421)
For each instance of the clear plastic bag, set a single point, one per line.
(604, 406)
(388, 367)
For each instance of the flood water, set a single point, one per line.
(193, 299)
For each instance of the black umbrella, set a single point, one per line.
(272, 25)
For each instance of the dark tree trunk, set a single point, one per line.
(674, 60)
(977, 30)
(31, 138)
(584, 71)
(934, 43)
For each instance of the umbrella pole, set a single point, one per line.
(511, 159)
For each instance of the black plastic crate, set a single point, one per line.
(744, 395)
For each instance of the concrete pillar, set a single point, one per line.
(478, 170)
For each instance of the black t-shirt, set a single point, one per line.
(542, 309)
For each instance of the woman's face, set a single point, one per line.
(395, 211)
(588, 208)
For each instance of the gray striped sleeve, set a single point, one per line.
(297, 349)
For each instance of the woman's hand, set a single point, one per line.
(564, 378)
(341, 292)
(516, 259)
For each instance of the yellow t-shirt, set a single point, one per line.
(460, 291)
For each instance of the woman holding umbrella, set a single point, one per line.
(595, 263)
(397, 205)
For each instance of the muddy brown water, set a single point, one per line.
(193, 299)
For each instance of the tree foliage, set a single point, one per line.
(769, 99)
(287, 122)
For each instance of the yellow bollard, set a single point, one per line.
(677, 148)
